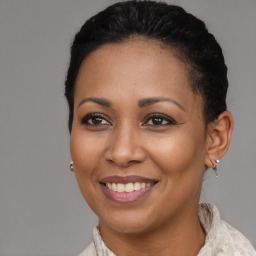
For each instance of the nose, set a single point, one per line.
(126, 147)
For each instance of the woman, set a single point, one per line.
(146, 89)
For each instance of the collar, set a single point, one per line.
(209, 218)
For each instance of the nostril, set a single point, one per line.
(126, 157)
(123, 163)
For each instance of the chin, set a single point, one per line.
(127, 227)
(129, 223)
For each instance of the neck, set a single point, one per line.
(182, 235)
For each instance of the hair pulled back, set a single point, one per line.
(170, 25)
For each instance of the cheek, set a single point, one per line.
(84, 144)
(180, 159)
(178, 153)
(85, 151)
(85, 155)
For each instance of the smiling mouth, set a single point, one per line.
(126, 189)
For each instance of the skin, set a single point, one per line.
(127, 142)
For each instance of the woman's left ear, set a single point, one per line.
(218, 137)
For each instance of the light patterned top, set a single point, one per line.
(221, 238)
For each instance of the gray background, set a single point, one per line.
(42, 211)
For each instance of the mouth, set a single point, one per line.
(127, 189)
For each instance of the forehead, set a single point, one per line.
(136, 68)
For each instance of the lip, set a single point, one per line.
(126, 197)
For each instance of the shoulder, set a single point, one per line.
(221, 238)
(89, 251)
(235, 241)
(97, 247)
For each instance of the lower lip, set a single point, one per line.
(126, 197)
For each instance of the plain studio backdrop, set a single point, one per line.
(42, 212)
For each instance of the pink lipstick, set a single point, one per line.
(126, 189)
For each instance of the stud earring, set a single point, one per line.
(215, 164)
(71, 166)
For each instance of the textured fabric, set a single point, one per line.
(221, 238)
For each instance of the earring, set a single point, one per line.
(71, 166)
(215, 164)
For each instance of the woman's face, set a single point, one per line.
(138, 138)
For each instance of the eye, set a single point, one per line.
(95, 120)
(159, 120)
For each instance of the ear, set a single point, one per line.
(218, 138)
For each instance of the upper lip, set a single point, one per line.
(126, 179)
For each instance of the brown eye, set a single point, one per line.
(159, 120)
(95, 119)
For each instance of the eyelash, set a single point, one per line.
(169, 120)
(94, 115)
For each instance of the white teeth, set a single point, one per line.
(120, 187)
(129, 187)
(137, 186)
(114, 187)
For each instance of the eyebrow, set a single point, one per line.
(100, 101)
(150, 101)
(142, 103)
